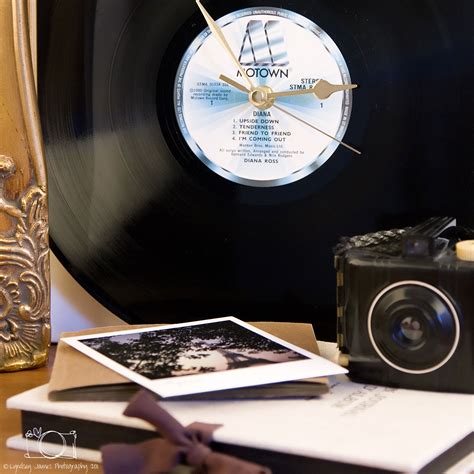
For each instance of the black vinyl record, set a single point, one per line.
(158, 235)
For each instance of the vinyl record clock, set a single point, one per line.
(203, 161)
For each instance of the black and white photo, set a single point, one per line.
(202, 356)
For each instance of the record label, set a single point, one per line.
(270, 145)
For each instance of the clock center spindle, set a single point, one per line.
(259, 97)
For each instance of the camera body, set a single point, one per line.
(406, 314)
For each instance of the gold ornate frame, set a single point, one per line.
(24, 246)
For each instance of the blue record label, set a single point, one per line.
(285, 140)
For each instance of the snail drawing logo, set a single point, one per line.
(24, 271)
(51, 444)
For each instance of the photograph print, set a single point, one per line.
(191, 350)
(202, 356)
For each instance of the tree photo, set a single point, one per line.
(194, 349)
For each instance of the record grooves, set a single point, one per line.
(157, 232)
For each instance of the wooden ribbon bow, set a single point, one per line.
(178, 445)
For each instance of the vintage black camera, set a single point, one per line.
(406, 307)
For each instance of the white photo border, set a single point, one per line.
(312, 366)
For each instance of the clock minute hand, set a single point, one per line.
(217, 32)
(322, 90)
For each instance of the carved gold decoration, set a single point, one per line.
(24, 248)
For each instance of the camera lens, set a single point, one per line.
(413, 326)
(408, 321)
(409, 331)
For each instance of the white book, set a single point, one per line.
(354, 425)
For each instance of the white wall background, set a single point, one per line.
(72, 308)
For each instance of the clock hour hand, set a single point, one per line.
(242, 88)
(217, 32)
(322, 90)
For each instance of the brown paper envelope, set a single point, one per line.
(72, 369)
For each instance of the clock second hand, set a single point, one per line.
(242, 88)
(233, 83)
(317, 129)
